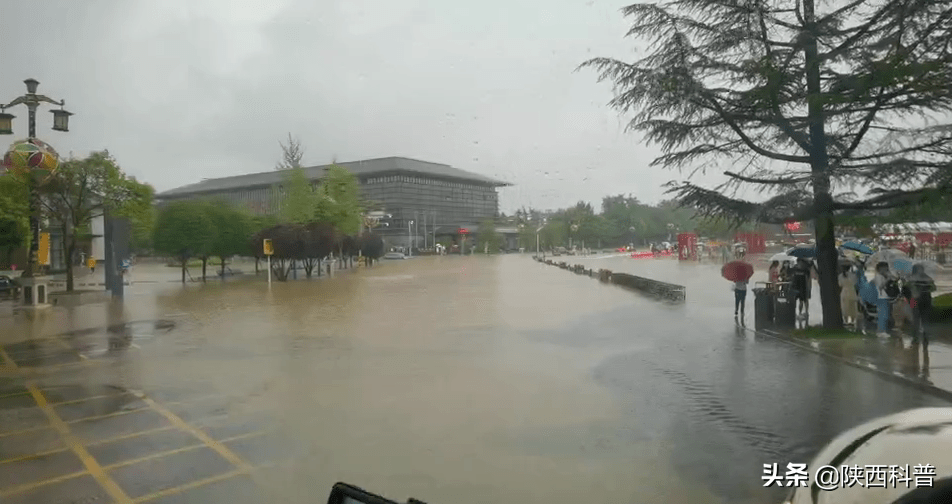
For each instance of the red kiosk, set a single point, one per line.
(756, 242)
(687, 247)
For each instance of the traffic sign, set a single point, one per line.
(268, 247)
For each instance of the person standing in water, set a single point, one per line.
(740, 297)
(803, 285)
(882, 282)
(921, 286)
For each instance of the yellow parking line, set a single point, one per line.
(92, 466)
(32, 455)
(189, 486)
(90, 398)
(108, 415)
(15, 394)
(37, 484)
(7, 361)
(132, 435)
(245, 436)
(25, 431)
(200, 434)
(153, 456)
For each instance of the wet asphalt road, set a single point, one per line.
(457, 380)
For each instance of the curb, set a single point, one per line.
(893, 376)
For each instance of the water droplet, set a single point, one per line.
(475, 142)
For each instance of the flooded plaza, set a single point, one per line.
(448, 379)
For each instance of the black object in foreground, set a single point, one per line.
(342, 493)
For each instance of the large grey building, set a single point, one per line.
(438, 199)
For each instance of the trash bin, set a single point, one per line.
(763, 308)
(785, 308)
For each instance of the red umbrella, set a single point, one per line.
(737, 271)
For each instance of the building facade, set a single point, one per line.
(423, 201)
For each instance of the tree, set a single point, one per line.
(806, 103)
(487, 239)
(371, 246)
(12, 235)
(320, 242)
(14, 215)
(340, 204)
(184, 230)
(233, 227)
(300, 202)
(291, 154)
(85, 188)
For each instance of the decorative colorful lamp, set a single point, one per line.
(30, 157)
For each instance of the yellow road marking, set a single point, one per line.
(200, 434)
(245, 436)
(32, 455)
(153, 456)
(90, 398)
(92, 466)
(132, 435)
(37, 484)
(7, 361)
(15, 394)
(189, 486)
(109, 415)
(25, 431)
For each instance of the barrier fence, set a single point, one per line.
(661, 290)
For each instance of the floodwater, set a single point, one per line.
(448, 379)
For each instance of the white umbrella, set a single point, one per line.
(886, 255)
(782, 258)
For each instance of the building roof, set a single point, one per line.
(360, 168)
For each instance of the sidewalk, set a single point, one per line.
(925, 367)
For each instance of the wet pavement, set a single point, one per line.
(448, 379)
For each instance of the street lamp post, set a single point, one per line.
(60, 123)
(410, 239)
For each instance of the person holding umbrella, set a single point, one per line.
(803, 285)
(738, 272)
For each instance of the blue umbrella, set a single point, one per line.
(862, 248)
(802, 252)
(901, 265)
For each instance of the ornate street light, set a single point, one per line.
(32, 158)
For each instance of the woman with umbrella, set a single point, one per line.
(738, 272)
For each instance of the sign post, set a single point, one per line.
(268, 251)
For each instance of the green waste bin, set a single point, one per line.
(763, 307)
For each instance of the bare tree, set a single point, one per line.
(291, 154)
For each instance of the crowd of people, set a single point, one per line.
(888, 298)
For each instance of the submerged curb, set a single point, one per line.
(892, 376)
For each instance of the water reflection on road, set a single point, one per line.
(479, 379)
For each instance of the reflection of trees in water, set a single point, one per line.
(120, 336)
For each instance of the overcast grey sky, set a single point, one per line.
(180, 90)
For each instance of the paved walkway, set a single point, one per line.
(928, 368)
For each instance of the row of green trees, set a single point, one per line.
(79, 190)
(620, 220)
(313, 222)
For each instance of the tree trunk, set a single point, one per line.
(308, 267)
(222, 268)
(318, 267)
(184, 267)
(69, 246)
(257, 260)
(204, 266)
(827, 256)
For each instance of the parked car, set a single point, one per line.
(9, 288)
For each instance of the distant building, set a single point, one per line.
(438, 199)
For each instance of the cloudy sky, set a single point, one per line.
(180, 90)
